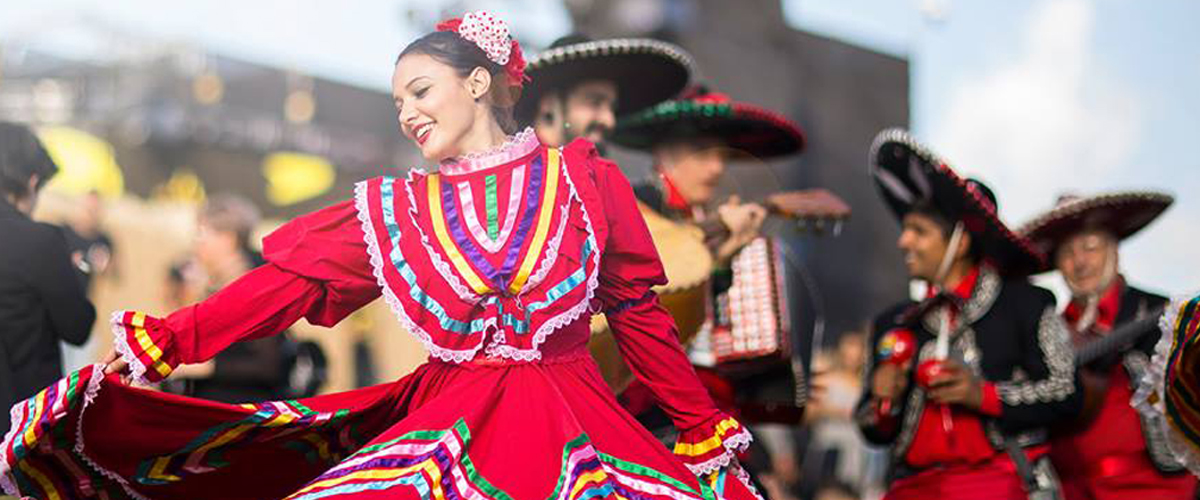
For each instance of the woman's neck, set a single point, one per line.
(485, 135)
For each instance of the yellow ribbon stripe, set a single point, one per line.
(598, 477)
(32, 427)
(41, 479)
(443, 236)
(428, 466)
(156, 471)
(147, 344)
(697, 449)
(543, 226)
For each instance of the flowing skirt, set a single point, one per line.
(479, 430)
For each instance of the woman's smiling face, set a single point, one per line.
(434, 105)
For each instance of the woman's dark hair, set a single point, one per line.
(22, 157)
(452, 50)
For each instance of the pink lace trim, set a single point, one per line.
(518, 145)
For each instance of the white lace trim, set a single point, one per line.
(137, 369)
(551, 255)
(1153, 384)
(17, 416)
(377, 263)
(89, 396)
(442, 266)
(733, 445)
(570, 315)
(744, 477)
(512, 149)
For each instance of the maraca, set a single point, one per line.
(896, 347)
(928, 370)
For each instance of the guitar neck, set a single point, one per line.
(1117, 338)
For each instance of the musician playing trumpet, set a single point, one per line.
(1116, 452)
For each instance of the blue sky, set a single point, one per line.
(1034, 97)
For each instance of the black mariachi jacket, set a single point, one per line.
(1008, 333)
(1135, 304)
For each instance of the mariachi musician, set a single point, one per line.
(1115, 452)
(966, 414)
(691, 139)
(578, 86)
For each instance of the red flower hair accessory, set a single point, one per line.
(490, 34)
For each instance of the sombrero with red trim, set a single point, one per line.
(1120, 213)
(645, 71)
(699, 113)
(907, 172)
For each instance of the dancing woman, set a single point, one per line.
(495, 262)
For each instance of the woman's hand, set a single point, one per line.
(114, 364)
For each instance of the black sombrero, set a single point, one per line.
(1120, 213)
(646, 71)
(906, 172)
(700, 113)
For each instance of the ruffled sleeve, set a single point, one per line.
(646, 335)
(317, 269)
(1163, 395)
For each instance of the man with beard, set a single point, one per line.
(1117, 452)
(993, 364)
(579, 87)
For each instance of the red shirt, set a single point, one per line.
(949, 435)
(1116, 430)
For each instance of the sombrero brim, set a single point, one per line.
(744, 127)
(906, 172)
(645, 71)
(1122, 214)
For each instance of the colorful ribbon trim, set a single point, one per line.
(537, 245)
(466, 199)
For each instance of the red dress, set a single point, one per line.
(495, 264)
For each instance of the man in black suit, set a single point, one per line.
(991, 370)
(1117, 452)
(42, 296)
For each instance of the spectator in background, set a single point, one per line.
(42, 296)
(252, 370)
(91, 248)
(837, 447)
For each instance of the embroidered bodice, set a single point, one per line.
(508, 238)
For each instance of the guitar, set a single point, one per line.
(1095, 383)
(1116, 339)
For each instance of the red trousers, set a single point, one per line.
(995, 479)
(1126, 476)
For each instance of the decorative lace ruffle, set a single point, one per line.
(712, 445)
(147, 363)
(53, 413)
(377, 263)
(1150, 396)
(517, 146)
(443, 267)
(570, 315)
